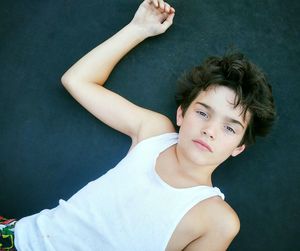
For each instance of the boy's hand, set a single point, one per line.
(153, 17)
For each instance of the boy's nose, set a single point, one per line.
(209, 131)
(204, 132)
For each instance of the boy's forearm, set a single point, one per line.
(96, 65)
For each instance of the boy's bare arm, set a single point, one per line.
(96, 65)
(85, 79)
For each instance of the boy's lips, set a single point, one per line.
(202, 143)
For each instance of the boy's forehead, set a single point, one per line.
(221, 99)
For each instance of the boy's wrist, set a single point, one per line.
(137, 32)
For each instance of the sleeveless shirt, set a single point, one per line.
(130, 208)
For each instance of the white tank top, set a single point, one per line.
(129, 208)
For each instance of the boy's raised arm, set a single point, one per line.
(85, 78)
(96, 65)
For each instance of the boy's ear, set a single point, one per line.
(179, 116)
(238, 150)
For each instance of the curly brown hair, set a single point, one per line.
(235, 71)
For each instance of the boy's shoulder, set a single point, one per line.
(213, 215)
(216, 213)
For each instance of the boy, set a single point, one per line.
(160, 196)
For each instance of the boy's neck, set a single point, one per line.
(199, 174)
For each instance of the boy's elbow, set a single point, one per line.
(65, 79)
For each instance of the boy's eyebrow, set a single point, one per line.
(227, 118)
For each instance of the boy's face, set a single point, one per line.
(211, 118)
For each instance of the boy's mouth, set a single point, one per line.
(202, 145)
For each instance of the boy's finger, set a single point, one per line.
(167, 8)
(168, 22)
(161, 4)
(155, 2)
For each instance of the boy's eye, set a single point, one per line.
(230, 129)
(202, 113)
